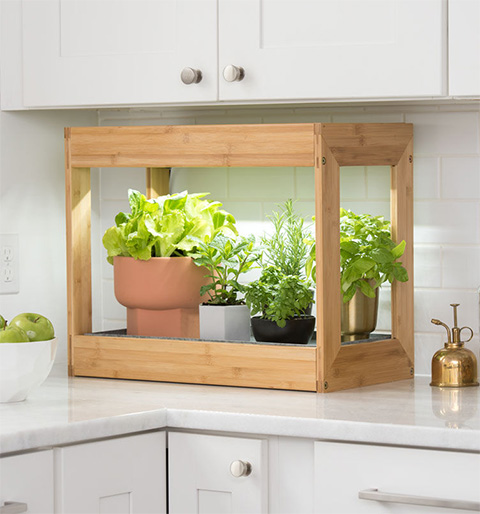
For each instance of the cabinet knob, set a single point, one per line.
(240, 468)
(13, 508)
(191, 76)
(233, 73)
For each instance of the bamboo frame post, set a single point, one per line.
(79, 274)
(158, 182)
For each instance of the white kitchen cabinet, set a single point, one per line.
(324, 49)
(59, 53)
(117, 52)
(126, 475)
(201, 479)
(464, 47)
(342, 470)
(28, 479)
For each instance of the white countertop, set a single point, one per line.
(410, 413)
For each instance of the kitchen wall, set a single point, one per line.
(447, 201)
(32, 205)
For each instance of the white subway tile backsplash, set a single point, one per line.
(261, 183)
(115, 182)
(111, 308)
(436, 304)
(461, 267)
(460, 177)
(353, 183)
(200, 180)
(305, 183)
(426, 178)
(378, 182)
(427, 266)
(445, 133)
(375, 208)
(447, 222)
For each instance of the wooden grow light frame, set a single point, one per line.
(329, 366)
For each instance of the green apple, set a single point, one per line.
(2, 322)
(13, 334)
(37, 327)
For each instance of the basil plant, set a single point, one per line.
(368, 255)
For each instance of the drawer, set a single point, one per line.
(201, 479)
(342, 470)
(28, 479)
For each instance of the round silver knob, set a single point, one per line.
(233, 73)
(191, 76)
(240, 468)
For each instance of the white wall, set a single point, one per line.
(32, 205)
(447, 200)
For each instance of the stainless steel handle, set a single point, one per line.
(13, 508)
(376, 495)
(191, 76)
(240, 468)
(233, 73)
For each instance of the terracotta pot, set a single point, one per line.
(161, 295)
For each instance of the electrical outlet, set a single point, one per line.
(9, 260)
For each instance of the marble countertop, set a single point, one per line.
(410, 413)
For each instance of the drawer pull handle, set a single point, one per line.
(240, 468)
(376, 495)
(13, 508)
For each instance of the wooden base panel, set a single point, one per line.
(364, 364)
(196, 362)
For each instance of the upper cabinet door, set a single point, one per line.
(464, 47)
(326, 49)
(117, 52)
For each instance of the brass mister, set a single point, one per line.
(454, 365)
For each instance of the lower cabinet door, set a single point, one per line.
(115, 476)
(26, 482)
(217, 475)
(355, 478)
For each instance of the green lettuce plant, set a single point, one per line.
(368, 255)
(226, 259)
(167, 226)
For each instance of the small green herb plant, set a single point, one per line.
(368, 255)
(278, 297)
(226, 259)
(283, 290)
(167, 226)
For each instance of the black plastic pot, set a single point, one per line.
(298, 330)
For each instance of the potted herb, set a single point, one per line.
(151, 250)
(368, 258)
(225, 315)
(282, 294)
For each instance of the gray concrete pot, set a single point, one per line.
(224, 322)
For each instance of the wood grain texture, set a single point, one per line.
(158, 182)
(327, 236)
(195, 145)
(363, 364)
(402, 229)
(79, 276)
(367, 144)
(196, 362)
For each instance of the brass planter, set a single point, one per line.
(359, 317)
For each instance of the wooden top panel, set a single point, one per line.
(366, 144)
(194, 145)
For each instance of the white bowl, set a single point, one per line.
(23, 367)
